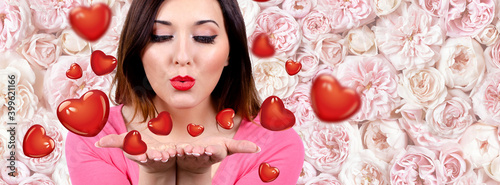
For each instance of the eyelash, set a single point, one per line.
(201, 39)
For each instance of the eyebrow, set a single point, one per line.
(168, 23)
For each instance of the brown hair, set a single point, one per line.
(235, 89)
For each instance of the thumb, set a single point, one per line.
(111, 141)
(241, 146)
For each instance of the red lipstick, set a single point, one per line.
(182, 83)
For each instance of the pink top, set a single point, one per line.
(88, 164)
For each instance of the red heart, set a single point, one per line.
(85, 116)
(292, 67)
(90, 23)
(36, 144)
(262, 46)
(195, 130)
(274, 116)
(331, 102)
(268, 173)
(225, 118)
(133, 144)
(101, 63)
(161, 125)
(74, 71)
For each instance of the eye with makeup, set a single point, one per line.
(201, 39)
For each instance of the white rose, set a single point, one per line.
(330, 48)
(249, 9)
(384, 138)
(384, 7)
(72, 44)
(364, 169)
(424, 87)
(298, 8)
(488, 36)
(308, 172)
(462, 63)
(484, 179)
(481, 143)
(61, 174)
(493, 169)
(271, 77)
(41, 49)
(15, 19)
(361, 41)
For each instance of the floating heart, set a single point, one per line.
(36, 144)
(225, 118)
(74, 71)
(262, 46)
(101, 63)
(195, 130)
(85, 116)
(292, 67)
(162, 124)
(133, 144)
(268, 173)
(274, 116)
(90, 23)
(331, 102)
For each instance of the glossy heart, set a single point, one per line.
(225, 118)
(74, 71)
(85, 116)
(36, 144)
(195, 130)
(292, 67)
(90, 23)
(161, 125)
(268, 173)
(274, 116)
(133, 144)
(101, 63)
(331, 102)
(262, 46)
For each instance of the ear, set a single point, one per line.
(227, 62)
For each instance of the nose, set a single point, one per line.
(182, 54)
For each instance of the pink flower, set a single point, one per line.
(282, 29)
(42, 50)
(492, 57)
(327, 146)
(453, 163)
(58, 87)
(308, 172)
(416, 165)
(37, 179)
(384, 138)
(361, 41)
(364, 169)
(51, 16)
(409, 37)
(375, 80)
(324, 179)
(330, 48)
(434, 7)
(300, 104)
(14, 19)
(345, 15)
(109, 41)
(298, 8)
(469, 17)
(481, 143)
(314, 24)
(488, 36)
(309, 61)
(423, 87)
(22, 170)
(486, 99)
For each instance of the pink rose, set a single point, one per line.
(469, 17)
(492, 57)
(384, 138)
(486, 99)
(58, 87)
(22, 170)
(453, 163)
(364, 168)
(324, 179)
(309, 61)
(51, 16)
(298, 8)
(327, 146)
(314, 24)
(14, 27)
(300, 104)
(282, 29)
(37, 179)
(416, 165)
(409, 37)
(345, 15)
(375, 80)
(109, 41)
(433, 7)
(42, 50)
(330, 48)
(481, 143)
(467, 179)
(308, 172)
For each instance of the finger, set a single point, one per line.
(198, 150)
(188, 150)
(180, 149)
(165, 156)
(241, 146)
(172, 152)
(153, 154)
(217, 152)
(111, 141)
(142, 158)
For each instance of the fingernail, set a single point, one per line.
(157, 159)
(165, 161)
(208, 153)
(172, 155)
(144, 161)
(97, 144)
(195, 154)
(179, 155)
(188, 153)
(258, 149)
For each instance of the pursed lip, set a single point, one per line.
(182, 78)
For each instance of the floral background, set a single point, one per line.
(427, 71)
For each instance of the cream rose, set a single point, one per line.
(481, 142)
(462, 63)
(314, 24)
(14, 27)
(72, 44)
(308, 172)
(41, 49)
(324, 178)
(384, 7)
(384, 138)
(299, 8)
(330, 48)
(486, 98)
(493, 169)
(416, 165)
(364, 169)
(271, 77)
(488, 36)
(249, 9)
(361, 41)
(484, 179)
(424, 87)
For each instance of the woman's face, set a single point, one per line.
(188, 51)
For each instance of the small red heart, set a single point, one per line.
(90, 23)
(331, 102)
(195, 130)
(133, 144)
(292, 67)
(274, 116)
(74, 71)
(85, 116)
(36, 144)
(225, 118)
(268, 173)
(262, 46)
(101, 63)
(161, 125)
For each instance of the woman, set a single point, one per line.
(189, 58)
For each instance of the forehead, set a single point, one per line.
(189, 11)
